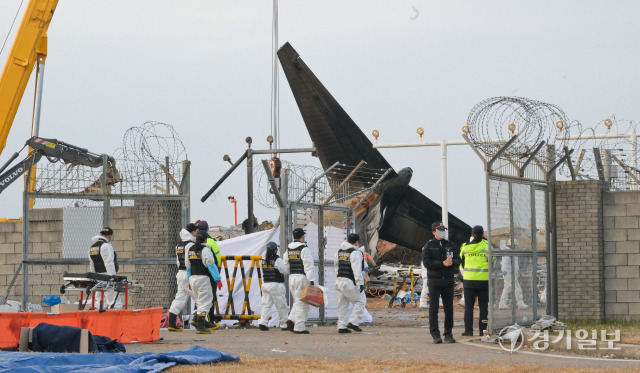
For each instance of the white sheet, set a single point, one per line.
(254, 244)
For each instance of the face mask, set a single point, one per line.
(441, 234)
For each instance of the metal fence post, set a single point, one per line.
(534, 248)
(553, 253)
(285, 212)
(185, 190)
(321, 245)
(106, 206)
(512, 258)
(250, 228)
(25, 251)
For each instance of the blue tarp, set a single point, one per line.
(102, 363)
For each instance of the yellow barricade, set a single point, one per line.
(246, 313)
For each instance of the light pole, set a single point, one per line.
(232, 199)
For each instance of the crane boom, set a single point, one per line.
(54, 150)
(28, 46)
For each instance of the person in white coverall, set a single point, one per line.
(505, 265)
(424, 295)
(366, 316)
(273, 290)
(298, 261)
(200, 265)
(187, 235)
(104, 260)
(348, 263)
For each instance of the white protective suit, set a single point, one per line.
(508, 283)
(200, 284)
(300, 311)
(274, 293)
(183, 294)
(108, 256)
(424, 295)
(366, 316)
(347, 291)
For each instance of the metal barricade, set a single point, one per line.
(246, 313)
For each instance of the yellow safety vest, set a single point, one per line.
(476, 261)
(213, 245)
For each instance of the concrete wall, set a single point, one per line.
(150, 229)
(581, 284)
(598, 251)
(157, 226)
(622, 254)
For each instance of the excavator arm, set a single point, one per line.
(28, 47)
(54, 150)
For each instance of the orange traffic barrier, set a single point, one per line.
(124, 325)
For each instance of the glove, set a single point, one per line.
(189, 286)
(361, 288)
(504, 273)
(219, 283)
(312, 283)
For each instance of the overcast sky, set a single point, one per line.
(205, 68)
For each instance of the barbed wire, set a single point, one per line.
(499, 118)
(620, 147)
(149, 154)
(302, 176)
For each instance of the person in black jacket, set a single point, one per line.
(442, 259)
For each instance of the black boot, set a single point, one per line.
(448, 338)
(211, 325)
(173, 326)
(201, 319)
(354, 327)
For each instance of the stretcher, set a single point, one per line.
(90, 283)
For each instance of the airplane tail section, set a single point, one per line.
(336, 137)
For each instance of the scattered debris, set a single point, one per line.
(15, 306)
(547, 322)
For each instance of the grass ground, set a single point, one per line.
(629, 330)
(272, 365)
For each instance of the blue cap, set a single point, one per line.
(202, 225)
(272, 245)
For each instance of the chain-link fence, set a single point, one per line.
(518, 252)
(65, 213)
(326, 230)
(323, 203)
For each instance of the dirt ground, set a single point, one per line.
(397, 337)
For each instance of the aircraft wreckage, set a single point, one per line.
(395, 212)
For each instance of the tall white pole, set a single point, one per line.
(443, 160)
(274, 78)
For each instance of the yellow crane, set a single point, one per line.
(29, 47)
